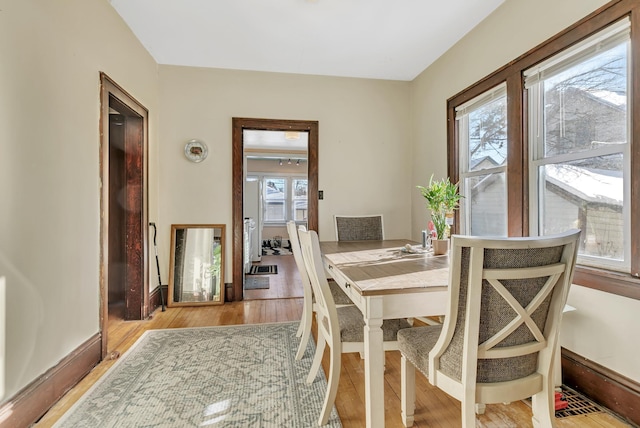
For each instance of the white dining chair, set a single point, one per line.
(498, 340)
(308, 303)
(341, 328)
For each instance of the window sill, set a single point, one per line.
(610, 282)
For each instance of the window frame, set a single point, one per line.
(518, 174)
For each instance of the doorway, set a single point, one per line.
(124, 285)
(239, 126)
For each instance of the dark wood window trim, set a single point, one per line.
(627, 285)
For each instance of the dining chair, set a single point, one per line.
(308, 300)
(342, 328)
(359, 227)
(498, 340)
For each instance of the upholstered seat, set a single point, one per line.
(352, 325)
(497, 344)
(359, 228)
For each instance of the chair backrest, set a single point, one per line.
(359, 227)
(325, 306)
(294, 242)
(506, 301)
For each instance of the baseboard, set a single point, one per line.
(154, 297)
(617, 393)
(33, 401)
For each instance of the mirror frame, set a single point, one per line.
(174, 229)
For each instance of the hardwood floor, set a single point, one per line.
(286, 284)
(433, 407)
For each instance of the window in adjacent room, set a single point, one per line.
(285, 199)
(299, 199)
(275, 197)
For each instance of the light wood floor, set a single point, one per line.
(286, 284)
(433, 407)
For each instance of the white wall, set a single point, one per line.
(52, 52)
(603, 328)
(364, 150)
(513, 29)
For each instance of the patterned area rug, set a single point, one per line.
(276, 251)
(263, 270)
(235, 376)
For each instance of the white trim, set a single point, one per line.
(603, 40)
(486, 97)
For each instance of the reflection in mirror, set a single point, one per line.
(196, 274)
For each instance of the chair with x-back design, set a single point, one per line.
(499, 337)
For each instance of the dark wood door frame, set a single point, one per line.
(135, 197)
(240, 124)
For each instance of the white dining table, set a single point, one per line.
(385, 282)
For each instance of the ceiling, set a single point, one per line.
(380, 39)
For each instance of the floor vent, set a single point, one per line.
(578, 405)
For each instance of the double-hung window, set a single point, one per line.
(579, 127)
(285, 199)
(275, 199)
(482, 132)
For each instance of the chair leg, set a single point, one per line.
(468, 406)
(480, 408)
(332, 384)
(302, 320)
(407, 391)
(543, 407)
(306, 324)
(317, 358)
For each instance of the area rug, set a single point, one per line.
(232, 376)
(256, 282)
(263, 269)
(276, 252)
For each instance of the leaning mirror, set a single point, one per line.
(196, 270)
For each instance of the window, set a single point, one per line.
(482, 127)
(275, 199)
(299, 193)
(579, 127)
(285, 198)
(564, 147)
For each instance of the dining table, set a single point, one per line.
(391, 278)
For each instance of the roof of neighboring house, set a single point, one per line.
(591, 185)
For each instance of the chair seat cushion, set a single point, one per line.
(339, 296)
(352, 325)
(416, 343)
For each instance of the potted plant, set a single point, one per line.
(442, 199)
